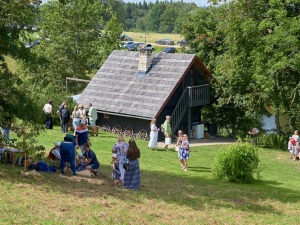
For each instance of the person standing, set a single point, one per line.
(179, 141)
(116, 174)
(82, 135)
(91, 162)
(82, 112)
(295, 145)
(120, 149)
(65, 117)
(184, 152)
(75, 117)
(49, 114)
(132, 174)
(153, 134)
(167, 132)
(92, 115)
(67, 151)
(59, 112)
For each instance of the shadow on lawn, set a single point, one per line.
(188, 188)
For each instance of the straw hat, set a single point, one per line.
(80, 106)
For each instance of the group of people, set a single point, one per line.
(294, 145)
(182, 144)
(125, 164)
(66, 151)
(78, 114)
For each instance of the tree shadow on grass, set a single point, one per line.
(190, 189)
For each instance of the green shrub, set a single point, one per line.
(237, 164)
(273, 141)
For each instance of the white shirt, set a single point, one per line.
(47, 108)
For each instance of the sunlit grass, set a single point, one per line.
(168, 195)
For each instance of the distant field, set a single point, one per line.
(152, 37)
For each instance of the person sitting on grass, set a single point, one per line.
(80, 162)
(91, 162)
(54, 155)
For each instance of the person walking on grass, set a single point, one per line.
(184, 153)
(132, 174)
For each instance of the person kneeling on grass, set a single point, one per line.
(91, 162)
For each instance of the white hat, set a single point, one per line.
(57, 143)
(114, 155)
(82, 122)
(80, 155)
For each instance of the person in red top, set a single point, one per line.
(54, 153)
(82, 135)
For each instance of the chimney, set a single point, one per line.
(145, 59)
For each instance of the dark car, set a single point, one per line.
(132, 46)
(165, 41)
(126, 43)
(182, 43)
(125, 37)
(169, 50)
(36, 42)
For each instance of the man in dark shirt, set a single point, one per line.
(91, 162)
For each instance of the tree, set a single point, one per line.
(72, 45)
(15, 101)
(154, 16)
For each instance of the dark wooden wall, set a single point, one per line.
(124, 122)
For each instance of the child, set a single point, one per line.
(80, 163)
(115, 172)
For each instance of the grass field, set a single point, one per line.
(168, 195)
(152, 37)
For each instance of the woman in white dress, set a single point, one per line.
(153, 134)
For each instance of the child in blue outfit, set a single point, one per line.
(116, 174)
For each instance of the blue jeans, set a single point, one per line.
(67, 154)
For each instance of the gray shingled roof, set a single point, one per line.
(116, 88)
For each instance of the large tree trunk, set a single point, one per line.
(292, 123)
(277, 122)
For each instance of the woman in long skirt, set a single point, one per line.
(153, 134)
(132, 174)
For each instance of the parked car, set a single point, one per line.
(182, 43)
(28, 45)
(36, 42)
(133, 46)
(165, 41)
(125, 37)
(169, 50)
(126, 43)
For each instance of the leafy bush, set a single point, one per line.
(238, 164)
(273, 141)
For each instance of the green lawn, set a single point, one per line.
(168, 195)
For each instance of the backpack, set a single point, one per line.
(293, 142)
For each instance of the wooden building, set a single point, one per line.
(133, 87)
